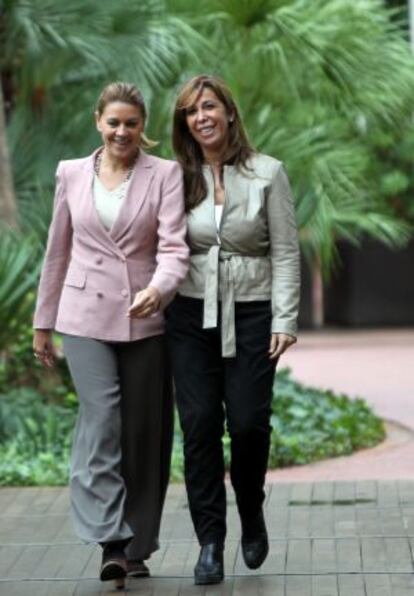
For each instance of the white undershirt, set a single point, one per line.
(218, 211)
(108, 202)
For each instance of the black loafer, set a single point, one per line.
(254, 542)
(210, 567)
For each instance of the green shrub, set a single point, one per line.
(35, 439)
(308, 425)
(43, 469)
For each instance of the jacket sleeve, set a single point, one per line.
(284, 250)
(172, 250)
(56, 258)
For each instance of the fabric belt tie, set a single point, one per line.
(211, 297)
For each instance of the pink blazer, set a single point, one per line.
(90, 275)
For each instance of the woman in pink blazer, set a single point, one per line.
(116, 253)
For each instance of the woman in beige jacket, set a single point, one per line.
(234, 316)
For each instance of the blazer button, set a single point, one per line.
(99, 294)
(124, 293)
(99, 260)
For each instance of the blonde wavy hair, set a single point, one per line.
(126, 93)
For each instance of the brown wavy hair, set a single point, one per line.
(125, 93)
(186, 148)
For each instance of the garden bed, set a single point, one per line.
(308, 425)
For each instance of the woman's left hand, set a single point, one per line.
(146, 303)
(279, 343)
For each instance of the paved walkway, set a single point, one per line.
(326, 539)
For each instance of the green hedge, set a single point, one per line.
(308, 425)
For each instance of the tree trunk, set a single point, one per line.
(8, 207)
(318, 307)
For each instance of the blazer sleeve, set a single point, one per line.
(284, 250)
(56, 259)
(172, 251)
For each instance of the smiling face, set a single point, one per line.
(208, 122)
(121, 125)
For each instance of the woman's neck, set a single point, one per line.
(215, 159)
(115, 165)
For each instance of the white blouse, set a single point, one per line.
(218, 210)
(108, 202)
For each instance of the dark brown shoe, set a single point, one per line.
(137, 568)
(114, 562)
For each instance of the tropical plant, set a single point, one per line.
(391, 170)
(316, 80)
(54, 58)
(19, 266)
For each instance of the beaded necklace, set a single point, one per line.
(98, 162)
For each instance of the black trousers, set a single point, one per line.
(211, 389)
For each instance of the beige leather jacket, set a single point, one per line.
(255, 254)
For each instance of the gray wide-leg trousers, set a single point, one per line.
(122, 442)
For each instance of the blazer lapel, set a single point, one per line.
(135, 198)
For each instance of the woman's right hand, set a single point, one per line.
(43, 348)
(146, 303)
